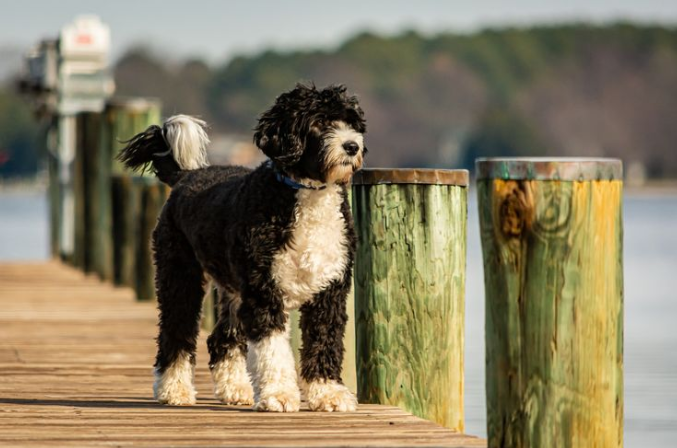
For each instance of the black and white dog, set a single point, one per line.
(273, 239)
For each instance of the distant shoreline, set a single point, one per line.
(32, 185)
(652, 188)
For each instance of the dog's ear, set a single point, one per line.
(281, 129)
(279, 142)
(267, 139)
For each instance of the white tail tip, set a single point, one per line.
(188, 140)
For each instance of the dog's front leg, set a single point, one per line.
(323, 323)
(270, 361)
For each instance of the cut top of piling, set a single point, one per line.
(380, 176)
(133, 104)
(557, 168)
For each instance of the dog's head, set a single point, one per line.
(314, 134)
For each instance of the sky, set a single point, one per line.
(217, 30)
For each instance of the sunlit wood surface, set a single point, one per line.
(75, 369)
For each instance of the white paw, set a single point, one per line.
(175, 394)
(329, 396)
(271, 364)
(231, 381)
(175, 385)
(281, 401)
(235, 393)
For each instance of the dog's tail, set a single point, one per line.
(168, 151)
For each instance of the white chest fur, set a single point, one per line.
(318, 251)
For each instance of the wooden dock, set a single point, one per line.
(75, 369)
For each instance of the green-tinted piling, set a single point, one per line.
(126, 222)
(84, 183)
(552, 239)
(122, 119)
(152, 201)
(409, 290)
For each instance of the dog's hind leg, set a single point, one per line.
(179, 283)
(323, 323)
(228, 353)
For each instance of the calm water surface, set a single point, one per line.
(24, 226)
(650, 308)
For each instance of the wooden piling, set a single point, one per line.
(100, 206)
(409, 290)
(152, 201)
(210, 308)
(79, 203)
(53, 197)
(123, 118)
(126, 210)
(552, 244)
(66, 201)
(137, 203)
(88, 128)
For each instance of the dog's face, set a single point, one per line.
(314, 134)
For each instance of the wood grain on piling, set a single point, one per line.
(554, 324)
(409, 294)
(75, 369)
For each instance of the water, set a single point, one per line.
(650, 308)
(24, 226)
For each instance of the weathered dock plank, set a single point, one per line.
(75, 369)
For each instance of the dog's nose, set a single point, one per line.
(351, 147)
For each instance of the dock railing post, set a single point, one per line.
(137, 204)
(152, 201)
(410, 290)
(126, 203)
(86, 200)
(123, 118)
(53, 192)
(552, 239)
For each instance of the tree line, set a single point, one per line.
(442, 100)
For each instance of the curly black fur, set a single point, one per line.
(322, 350)
(289, 128)
(141, 154)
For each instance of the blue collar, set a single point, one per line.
(288, 181)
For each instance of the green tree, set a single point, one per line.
(502, 133)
